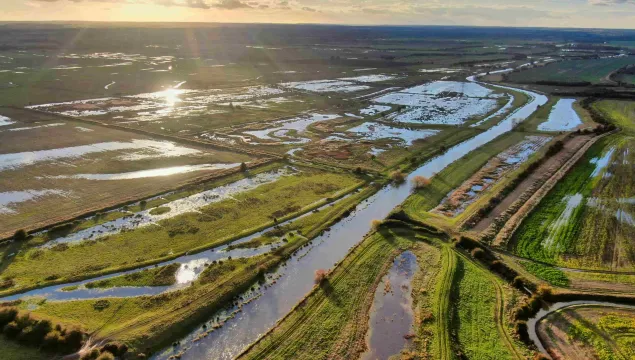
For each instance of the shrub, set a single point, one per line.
(74, 339)
(7, 315)
(419, 182)
(243, 167)
(20, 235)
(398, 177)
(91, 355)
(320, 276)
(106, 356)
(11, 330)
(375, 224)
(101, 304)
(521, 329)
(52, 341)
(478, 253)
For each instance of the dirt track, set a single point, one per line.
(539, 176)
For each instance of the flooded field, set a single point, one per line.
(392, 318)
(495, 169)
(195, 192)
(174, 208)
(562, 117)
(75, 167)
(441, 102)
(594, 193)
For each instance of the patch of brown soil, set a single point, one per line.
(534, 180)
(553, 335)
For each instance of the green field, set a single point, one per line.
(474, 302)
(423, 200)
(586, 219)
(332, 321)
(212, 226)
(582, 222)
(589, 70)
(153, 321)
(159, 276)
(11, 350)
(598, 332)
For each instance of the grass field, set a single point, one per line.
(582, 222)
(213, 225)
(423, 200)
(620, 113)
(11, 350)
(474, 324)
(154, 321)
(550, 274)
(590, 332)
(589, 70)
(332, 321)
(160, 276)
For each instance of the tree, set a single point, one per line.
(20, 235)
(419, 182)
(398, 177)
(320, 276)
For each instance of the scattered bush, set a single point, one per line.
(20, 235)
(160, 210)
(398, 177)
(101, 304)
(478, 253)
(11, 330)
(420, 182)
(7, 315)
(106, 356)
(320, 276)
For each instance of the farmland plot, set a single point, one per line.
(54, 170)
(590, 332)
(587, 219)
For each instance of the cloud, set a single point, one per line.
(611, 2)
(306, 8)
(230, 4)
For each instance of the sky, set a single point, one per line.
(548, 13)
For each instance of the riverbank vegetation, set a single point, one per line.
(216, 223)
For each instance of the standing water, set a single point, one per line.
(295, 278)
(392, 316)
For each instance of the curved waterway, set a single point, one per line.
(532, 324)
(191, 266)
(295, 278)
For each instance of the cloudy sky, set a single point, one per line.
(553, 13)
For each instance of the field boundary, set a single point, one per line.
(44, 225)
(514, 222)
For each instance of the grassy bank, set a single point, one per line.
(473, 324)
(333, 320)
(211, 226)
(580, 223)
(423, 200)
(155, 321)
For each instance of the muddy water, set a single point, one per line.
(532, 324)
(392, 315)
(295, 278)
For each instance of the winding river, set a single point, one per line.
(295, 278)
